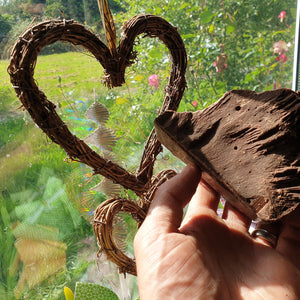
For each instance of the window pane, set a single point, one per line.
(46, 200)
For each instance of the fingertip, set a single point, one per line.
(192, 171)
(181, 186)
(193, 168)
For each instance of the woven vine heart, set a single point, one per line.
(114, 63)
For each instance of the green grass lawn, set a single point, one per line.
(79, 73)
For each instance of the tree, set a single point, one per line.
(81, 11)
(5, 26)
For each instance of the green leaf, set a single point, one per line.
(188, 36)
(93, 291)
(155, 53)
(63, 104)
(230, 29)
(278, 32)
(5, 216)
(206, 16)
(249, 77)
(184, 5)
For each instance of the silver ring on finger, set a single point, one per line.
(265, 235)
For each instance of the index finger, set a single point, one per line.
(166, 209)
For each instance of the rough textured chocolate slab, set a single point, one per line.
(248, 146)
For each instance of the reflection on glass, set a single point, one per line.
(46, 204)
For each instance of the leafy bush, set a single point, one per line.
(212, 28)
(230, 45)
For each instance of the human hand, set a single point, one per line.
(207, 257)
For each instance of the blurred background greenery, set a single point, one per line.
(46, 203)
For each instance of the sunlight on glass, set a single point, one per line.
(47, 201)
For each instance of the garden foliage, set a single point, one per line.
(230, 45)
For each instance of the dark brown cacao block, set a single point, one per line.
(248, 147)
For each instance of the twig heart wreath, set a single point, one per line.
(114, 61)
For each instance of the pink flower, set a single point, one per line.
(280, 47)
(281, 58)
(154, 81)
(282, 15)
(195, 103)
(215, 65)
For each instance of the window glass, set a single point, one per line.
(47, 200)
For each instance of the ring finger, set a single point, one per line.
(267, 233)
(235, 219)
